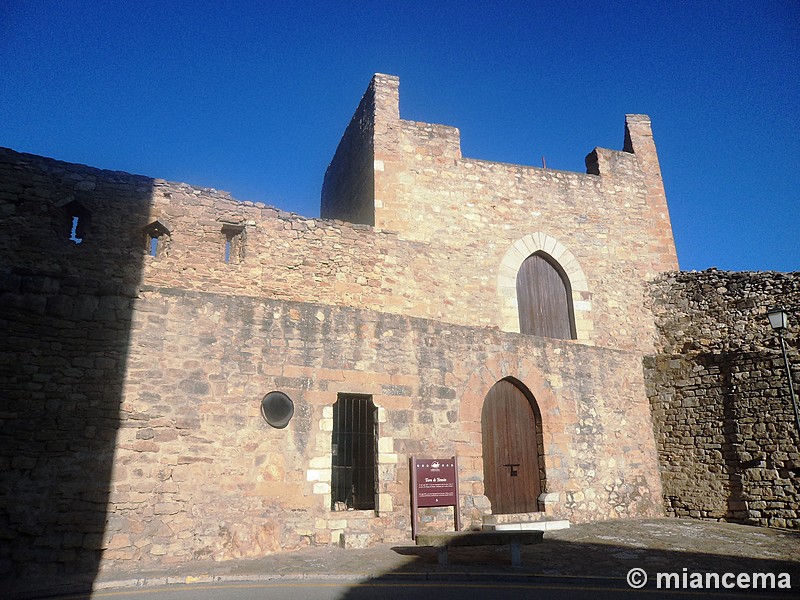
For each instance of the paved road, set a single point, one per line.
(586, 561)
(538, 588)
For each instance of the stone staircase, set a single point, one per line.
(535, 521)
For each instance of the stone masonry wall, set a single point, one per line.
(295, 258)
(724, 422)
(199, 473)
(144, 320)
(139, 369)
(348, 189)
(449, 236)
(613, 221)
(183, 466)
(65, 313)
(63, 357)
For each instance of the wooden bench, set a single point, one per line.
(512, 539)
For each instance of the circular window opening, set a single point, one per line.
(277, 409)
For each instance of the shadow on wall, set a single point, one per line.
(731, 441)
(725, 429)
(71, 253)
(759, 447)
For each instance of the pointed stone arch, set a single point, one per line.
(553, 412)
(558, 253)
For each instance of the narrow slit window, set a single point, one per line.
(156, 239)
(354, 453)
(73, 237)
(234, 238)
(78, 219)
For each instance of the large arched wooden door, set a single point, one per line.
(510, 450)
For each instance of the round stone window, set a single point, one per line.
(277, 409)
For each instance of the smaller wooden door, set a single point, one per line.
(544, 299)
(510, 450)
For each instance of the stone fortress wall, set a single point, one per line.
(725, 427)
(134, 361)
(609, 227)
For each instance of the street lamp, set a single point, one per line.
(778, 319)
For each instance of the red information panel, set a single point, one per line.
(436, 482)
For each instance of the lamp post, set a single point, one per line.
(778, 319)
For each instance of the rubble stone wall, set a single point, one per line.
(194, 433)
(725, 427)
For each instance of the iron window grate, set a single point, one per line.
(354, 452)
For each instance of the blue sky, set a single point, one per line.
(252, 97)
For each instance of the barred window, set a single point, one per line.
(354, 453)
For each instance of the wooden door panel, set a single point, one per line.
(510, 450)
(543, 299)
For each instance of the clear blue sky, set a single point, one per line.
(252, 97)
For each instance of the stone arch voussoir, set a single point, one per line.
(507, 282)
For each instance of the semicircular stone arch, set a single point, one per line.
(507, 282)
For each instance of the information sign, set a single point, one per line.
(434, 482)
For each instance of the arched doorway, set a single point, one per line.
(511, 432)
(544, 298)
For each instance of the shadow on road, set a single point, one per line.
(687, 556)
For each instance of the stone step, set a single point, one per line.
(541, 525)
(516, 518)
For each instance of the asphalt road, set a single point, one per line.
(540, 589)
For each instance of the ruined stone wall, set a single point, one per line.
(724, 422)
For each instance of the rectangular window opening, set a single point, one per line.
(234, 243)
(156, 239)
(354, 453)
